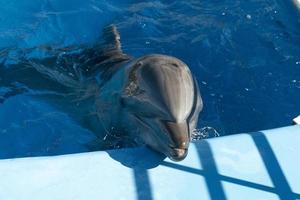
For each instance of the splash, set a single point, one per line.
(204, 133)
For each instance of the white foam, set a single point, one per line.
(297, 120)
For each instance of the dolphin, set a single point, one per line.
(154, 98)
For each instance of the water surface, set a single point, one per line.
(244, 54)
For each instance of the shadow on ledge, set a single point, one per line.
(140, 160)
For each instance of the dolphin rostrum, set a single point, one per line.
(154, 97)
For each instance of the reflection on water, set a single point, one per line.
(245, 54)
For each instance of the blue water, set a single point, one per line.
(245, 55)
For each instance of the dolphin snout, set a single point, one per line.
(178, 133)
(178, 154)
(179, 139)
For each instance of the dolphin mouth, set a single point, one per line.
(178, 154)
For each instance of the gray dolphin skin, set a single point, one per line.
(154, 97)
(163, 97)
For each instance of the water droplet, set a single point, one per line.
(203, 133)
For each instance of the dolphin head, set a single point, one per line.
(162, 95)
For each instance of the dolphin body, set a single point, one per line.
(154, 97)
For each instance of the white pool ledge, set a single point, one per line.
(262, 165)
